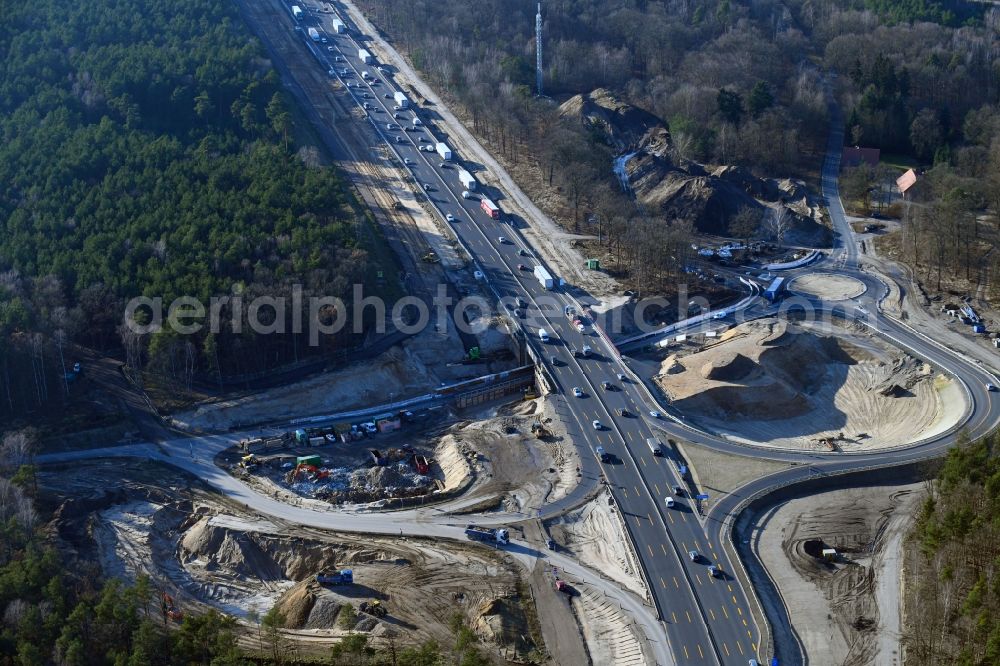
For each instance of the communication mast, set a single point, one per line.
(538, 50)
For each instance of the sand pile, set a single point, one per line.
(218, 548)
(309, 606)
(795, 385)
(502, 622)
(215, 547)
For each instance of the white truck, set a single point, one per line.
(654, 446)
(468, 182)
(364, 56)
(296, 12)
(401, 100)
(314, 34)
(543, 277)
(489, 535)
(443, 150)
(338, 26)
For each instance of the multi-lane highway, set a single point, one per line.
(704, 619)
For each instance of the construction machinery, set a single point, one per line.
(342, 577)
(375, 608)
(420, 463)
(249, 462)
(170, 609)
(540, 431)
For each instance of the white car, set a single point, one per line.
(330, 49)
(597, 425)
(502, 240)
(719, 315)
(655, 414)
(369, 428)
(577, 392)
(670, 502)
(407, 160)
(621, 376)
(449, 217)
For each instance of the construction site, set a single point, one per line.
(201, 551)
(808, 386)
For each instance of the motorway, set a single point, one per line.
(705, 620)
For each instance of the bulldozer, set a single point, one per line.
(375, 608)
(540, 431)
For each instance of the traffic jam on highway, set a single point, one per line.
(703, 609)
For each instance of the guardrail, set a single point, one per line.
(697, 319)
(798, 263)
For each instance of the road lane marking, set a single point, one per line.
(686, 655)
(735, 603)
(650, 550)
(624, 492)
(658, 491)
(700, 653)
(688, 616)
(663, 548)
(684, 517)
(729, 585)
(739, 646)
(725, 648)
(712, 613)
(643, 461)
(676, 584)
(671, 517)
(674, 616)
(637, 493)
(698, 579)
(725, 612)
(662, 583)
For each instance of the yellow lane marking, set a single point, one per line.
(686, 655)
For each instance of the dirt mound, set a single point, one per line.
(710, 201)
(308, 606)
(296, 604)
(797, 385)
(671, 366)
(215, 548)
(622, 125)
(212, 545)
(502, 622)
(730, 367)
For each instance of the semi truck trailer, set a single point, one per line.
(488, 535)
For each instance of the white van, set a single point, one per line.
(543, 335)
(466, 194)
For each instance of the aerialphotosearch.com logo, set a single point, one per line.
(328, 315)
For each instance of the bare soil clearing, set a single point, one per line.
(412, 368)
(594, 534)
(774, 383)
(206, 553)
(845, 611)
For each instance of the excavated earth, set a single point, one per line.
(810, 387)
